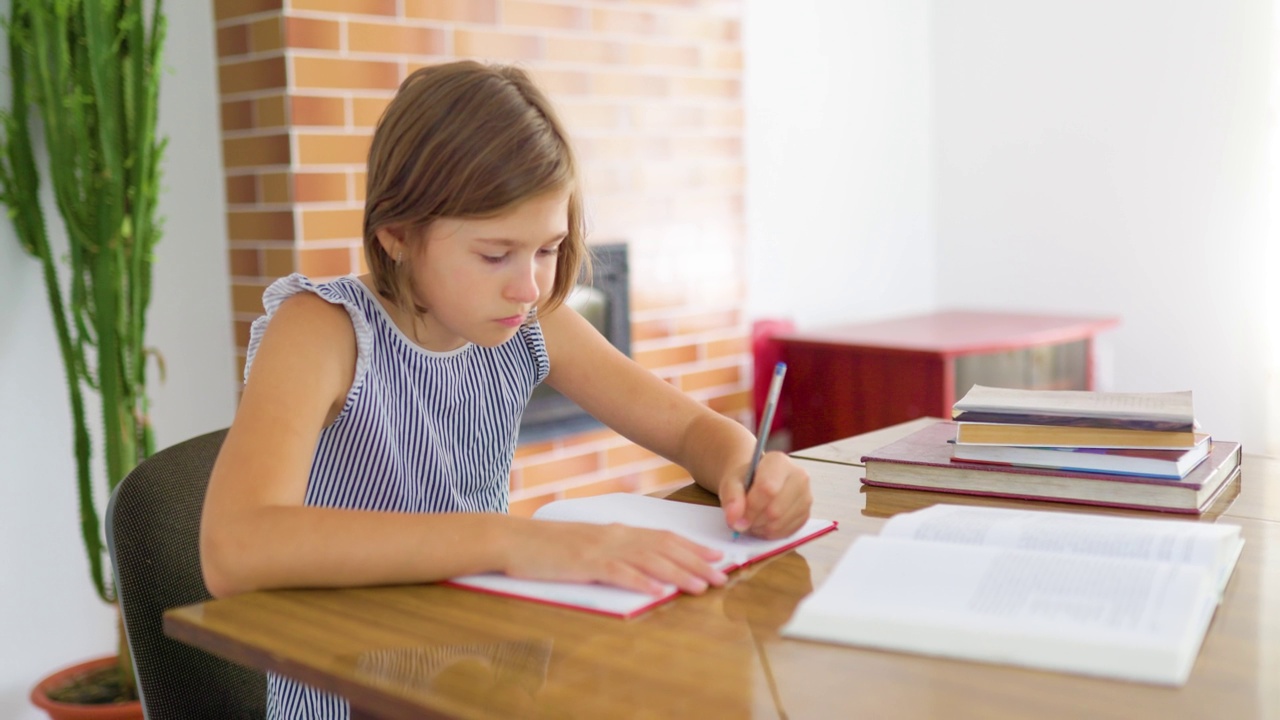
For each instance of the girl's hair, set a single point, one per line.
(466, 140)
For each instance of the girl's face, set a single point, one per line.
(480, 278)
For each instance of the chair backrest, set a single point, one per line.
(153, 532)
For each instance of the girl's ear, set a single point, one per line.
(391, 241)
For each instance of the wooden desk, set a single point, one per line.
(428, 651)
(894, 370)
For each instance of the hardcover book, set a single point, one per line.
(1135, 411)
(1097, 595)
(922, 461)
(1171, 464)
(971, 433)
(703, 524)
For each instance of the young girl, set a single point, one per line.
(375, 435)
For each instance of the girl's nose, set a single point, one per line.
(523, 287)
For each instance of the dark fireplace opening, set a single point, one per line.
(605, 303)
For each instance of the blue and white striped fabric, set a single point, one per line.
(420, 431)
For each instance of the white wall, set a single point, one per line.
(1056, 156)
(839, 134)
(49, 614)
(1114, 157)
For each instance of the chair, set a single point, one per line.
(153, 533)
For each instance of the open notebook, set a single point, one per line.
(702, 524)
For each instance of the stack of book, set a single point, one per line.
(1136, 450)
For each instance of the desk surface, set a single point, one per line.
(416, 651)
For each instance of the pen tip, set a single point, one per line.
(735, 535)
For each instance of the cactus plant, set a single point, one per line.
(87, 73)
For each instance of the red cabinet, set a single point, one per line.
(851, 379)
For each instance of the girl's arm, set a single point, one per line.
(713, 448)
(256, 533)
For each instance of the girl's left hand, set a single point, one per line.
(777, 504)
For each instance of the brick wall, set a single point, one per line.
(651, 92)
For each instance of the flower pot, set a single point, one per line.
(131, 710)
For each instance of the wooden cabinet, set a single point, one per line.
(851, 379)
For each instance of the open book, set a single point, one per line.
(702, 524)
(1096, 595)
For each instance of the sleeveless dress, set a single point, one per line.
(420, 432)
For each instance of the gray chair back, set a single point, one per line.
(153, 533)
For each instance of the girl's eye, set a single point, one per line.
(550, 251)
(494, 259)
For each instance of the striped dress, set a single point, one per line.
(420, 431)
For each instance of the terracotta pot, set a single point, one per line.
(67, 711)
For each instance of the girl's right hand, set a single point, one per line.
(632, 558)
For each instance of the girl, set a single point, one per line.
(374, 438)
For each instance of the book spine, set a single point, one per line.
(1038, 498)
(1071, 421)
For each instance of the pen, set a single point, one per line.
(762, 433)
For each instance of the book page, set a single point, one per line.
(1094, 615)
(1213, 547)
(702, 524)
(1172, 406)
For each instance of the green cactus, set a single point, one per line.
(87, 72)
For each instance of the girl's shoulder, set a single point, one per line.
(316, 307)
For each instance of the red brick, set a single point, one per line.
(233, 40)
(543, 14)
(731, 403)
(665, 357)
(278, 262)
(319, 187)
(260, 225)
(244, 262)
(275, 187)
(332, 224)
(585, 50)
(321, 149)
(247, 297)
(348, 7)
(317, 111)
(241, 189)
(702, 322)
(237, 115)
(559, 470)
(626, 455)
(629, 22)
(497, 45)
(256, 151)
(224, 9)
(266, 34)
(395, 39)
(626, 483)
(702, 379)
(471, 11)
(312, 34)
(730, 346)
(345, 74)
(249, 75)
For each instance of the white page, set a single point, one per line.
(1100, 616)
(702, 524)
(1211, 546)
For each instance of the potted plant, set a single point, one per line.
(87, 73)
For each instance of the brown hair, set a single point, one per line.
(465, 139)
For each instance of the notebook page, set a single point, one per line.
(702, 524)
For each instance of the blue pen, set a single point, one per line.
(766, 421)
